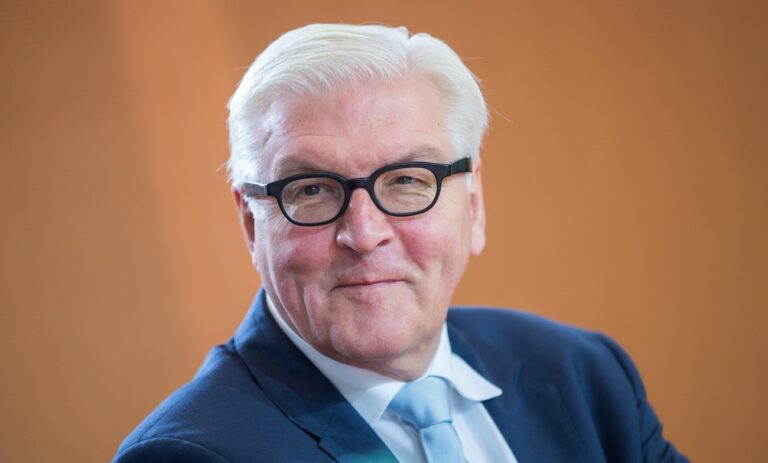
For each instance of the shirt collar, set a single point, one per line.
(370, 392)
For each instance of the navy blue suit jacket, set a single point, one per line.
(569, 396)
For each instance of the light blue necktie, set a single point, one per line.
(424, 404)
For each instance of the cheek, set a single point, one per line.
(297, 254)
(439, 245)
(293, 266)
(291, 257)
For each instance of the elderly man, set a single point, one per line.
(356, 175)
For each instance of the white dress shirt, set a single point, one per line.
(370, 394)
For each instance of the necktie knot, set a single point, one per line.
(425, 405)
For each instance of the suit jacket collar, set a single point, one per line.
(529, 413)
(499, 407)
(298, 388)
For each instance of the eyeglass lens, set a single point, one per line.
(399, 191)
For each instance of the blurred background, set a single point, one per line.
(626, 175)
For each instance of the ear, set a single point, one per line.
(477, 210)
(246, 218)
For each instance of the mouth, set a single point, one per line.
(367, 283)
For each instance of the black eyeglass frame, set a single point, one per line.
(275, 189)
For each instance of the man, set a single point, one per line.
(356, 174)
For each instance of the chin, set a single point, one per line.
(384, 345)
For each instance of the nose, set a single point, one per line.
(363, 227)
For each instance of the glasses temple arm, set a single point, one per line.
(462, 165)
(253, 189)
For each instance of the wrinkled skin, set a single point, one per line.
(369, 290)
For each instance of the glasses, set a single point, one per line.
(400, 190)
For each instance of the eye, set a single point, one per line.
(311, 190)
(404, 180)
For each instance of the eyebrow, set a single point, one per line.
(299, 164)
(421, 153)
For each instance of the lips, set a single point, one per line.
(368, 282)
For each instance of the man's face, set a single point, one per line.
(370, 289)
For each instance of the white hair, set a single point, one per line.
(319, 58)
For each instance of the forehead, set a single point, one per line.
(355, 130)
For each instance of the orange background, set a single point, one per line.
(625, 175)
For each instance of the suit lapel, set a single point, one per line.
(301, 391)
(499, 407)
(349, 439)
(530, 415)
